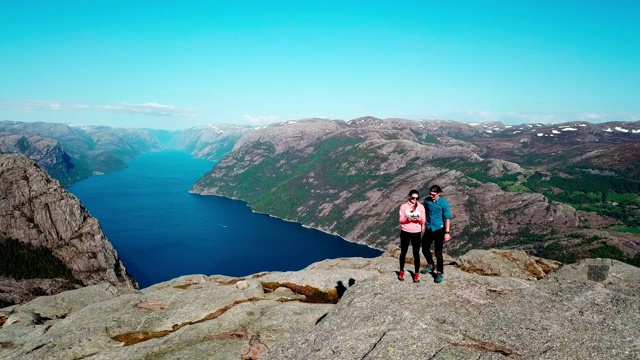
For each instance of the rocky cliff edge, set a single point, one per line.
(492, 305)
(36, 210)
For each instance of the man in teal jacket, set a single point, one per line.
(436, 231)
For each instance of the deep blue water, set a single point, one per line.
(160, 231)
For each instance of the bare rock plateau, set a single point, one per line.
(492, 304)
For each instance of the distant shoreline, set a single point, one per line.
(290, 221)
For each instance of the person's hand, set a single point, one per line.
(447, 237)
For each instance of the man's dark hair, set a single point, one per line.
(435, 188)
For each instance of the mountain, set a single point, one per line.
(46, 152)
(492, 305)
(349, 178)
(70, 153)
(209, 142)
(49, 242)
(609, 147)
(564, 191)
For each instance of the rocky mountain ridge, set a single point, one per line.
(348, 178)
(208, 142)
(70, 153)
(610, 146)
(36, 211)
(345, 308)
(320, 171)
(492, 305)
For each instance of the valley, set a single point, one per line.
(564, 191)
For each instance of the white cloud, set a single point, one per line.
(261, 119)
(518, 118)
(523, 118)
(506, 118)
(590, 116)
(469, 115)
(605, 117)
(150, 108)
(30, 105)
(553, 118)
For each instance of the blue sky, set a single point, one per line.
(177, 64)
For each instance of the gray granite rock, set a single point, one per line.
(571, 314)
(37, 211)
(350, 308)
(511, 263)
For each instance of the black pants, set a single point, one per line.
(414, 239)
(436, 237)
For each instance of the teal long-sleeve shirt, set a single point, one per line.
(437, 212)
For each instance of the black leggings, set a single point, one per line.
(414, 238)
(428, 238)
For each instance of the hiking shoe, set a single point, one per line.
(439, 277)
(401, 275)
(416, 277)
(427, 270)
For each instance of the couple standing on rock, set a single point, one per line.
(430, 226)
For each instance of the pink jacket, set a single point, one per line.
(412, 221)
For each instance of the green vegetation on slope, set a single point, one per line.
(285, 185)
(476, 232)
(607, 195)
(425, 139)
(560, 253)
(23, 261)
(570, 252)
(331, 164)
(630, 230)
(480, 171)
(310, 186)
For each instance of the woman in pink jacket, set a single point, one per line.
(412, 219)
